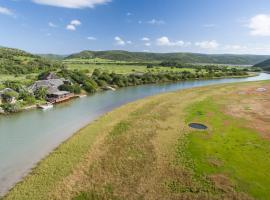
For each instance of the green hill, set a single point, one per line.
(180, 57)
(15, 61)
(265, 65)
(52, 56)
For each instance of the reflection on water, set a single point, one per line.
(27, 137)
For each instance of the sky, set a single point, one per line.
(200, 26)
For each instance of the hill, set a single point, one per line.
(179, 57)
(52, 56)
(15, 61)
(265, 65)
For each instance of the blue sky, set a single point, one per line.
(204, 26)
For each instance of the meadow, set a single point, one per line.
(119, 67)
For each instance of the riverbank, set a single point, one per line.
(146, 150)
(115, 87)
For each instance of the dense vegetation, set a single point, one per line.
(180, 57)
(100, 79)
(265, 65)
(14, 61)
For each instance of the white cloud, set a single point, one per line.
(75, 22)
(260, 25)
(145, 39)
(212, 44)
(119, 41)
(72, 26)
(91, 38)
(148, 44)
(52, 25)
(164, 41)
(129, 42)
(6, 11)
(156, 22)
(72, 3)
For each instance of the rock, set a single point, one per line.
(261, 90)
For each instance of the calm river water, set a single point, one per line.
(27, 137)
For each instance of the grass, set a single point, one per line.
(145, 150)
(242, 153)
(4, 77)
(124, 69)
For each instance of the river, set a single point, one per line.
(27, 137)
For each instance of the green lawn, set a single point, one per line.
(237, 151)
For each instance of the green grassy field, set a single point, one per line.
(145, 150)
(124, 69)
(229, 149)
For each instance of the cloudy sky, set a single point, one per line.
(203, 26)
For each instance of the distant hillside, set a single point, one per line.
(15, 61)
(180, 57)
(265, 65)
(52, 56)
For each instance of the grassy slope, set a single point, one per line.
(15, 61)
(265, 65)
(145, 150)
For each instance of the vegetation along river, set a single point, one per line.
(27, 137)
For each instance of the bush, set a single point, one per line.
(11, 108)
(70, 88)
(26, 96)
(90, 86)
(41, 93)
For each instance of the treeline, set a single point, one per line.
(99, 79)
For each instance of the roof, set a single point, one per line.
(6, 90)
(52, 85)
(61, 93)
(50, 76)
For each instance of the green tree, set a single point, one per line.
(41, 93)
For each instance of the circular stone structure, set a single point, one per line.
(197, 126)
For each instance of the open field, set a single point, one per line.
(145, 150)
(124, 69)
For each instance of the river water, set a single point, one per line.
(27, 137)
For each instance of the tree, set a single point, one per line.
(71, 88)
(26, 96)
(41, 93)
(14, 85)
(90, 86)
(96, 73)
(11, 108)
(149, 66)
